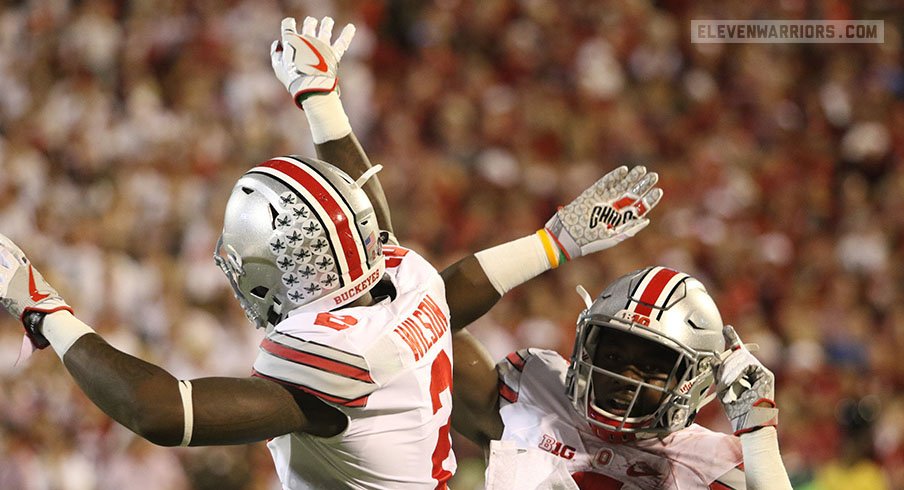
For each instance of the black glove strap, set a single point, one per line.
(34, 322)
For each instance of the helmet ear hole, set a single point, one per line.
(260, 292)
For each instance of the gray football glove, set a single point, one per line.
(746, 388)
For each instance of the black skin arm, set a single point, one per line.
(475, 401)
(347, 154)
(468, 290)
(145, 399)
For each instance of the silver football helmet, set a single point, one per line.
(667, 308)
(298, 233)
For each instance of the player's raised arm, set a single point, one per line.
(613, 209)
(475, 400)
(142, 396)
(307, 65)
(747, 392)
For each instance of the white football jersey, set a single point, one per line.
(388, 367)
(538, 414)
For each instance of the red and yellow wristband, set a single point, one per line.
(554, 254)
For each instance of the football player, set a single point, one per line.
(352, 383)
(649, 352)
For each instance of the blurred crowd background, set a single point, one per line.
(124, 124)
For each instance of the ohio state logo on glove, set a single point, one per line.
(607, 213)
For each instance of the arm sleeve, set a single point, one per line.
(763, 464)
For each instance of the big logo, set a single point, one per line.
(550, 444)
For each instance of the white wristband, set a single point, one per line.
(188, 410)
(514, 263)
(62, 329)
(326, 117)
(763, 467)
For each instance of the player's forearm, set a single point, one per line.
(469, 292)
(475, 405)
(137, 394)
(763, 466)
(146, 400)
(150, 402)
(347, 154)
(336, 144)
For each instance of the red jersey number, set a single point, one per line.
(440, 380)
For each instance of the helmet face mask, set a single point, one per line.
(298, 234)
(631, 375)
(643, 355)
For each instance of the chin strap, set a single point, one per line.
(588, 301)
(368, 174)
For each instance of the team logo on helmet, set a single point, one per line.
(317, 225)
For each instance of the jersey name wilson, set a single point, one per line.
(423, 328)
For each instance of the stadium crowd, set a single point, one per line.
(123, 126)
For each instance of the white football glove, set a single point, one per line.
(746, 388)
(24, 290)
(610, 211)
(306, 63)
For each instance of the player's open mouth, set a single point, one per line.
(617, 405)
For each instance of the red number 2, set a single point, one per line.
(440, 379)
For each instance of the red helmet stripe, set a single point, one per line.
(651, 293)
(332, 207)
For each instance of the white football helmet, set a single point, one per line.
(658, 305)
(298, 233)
